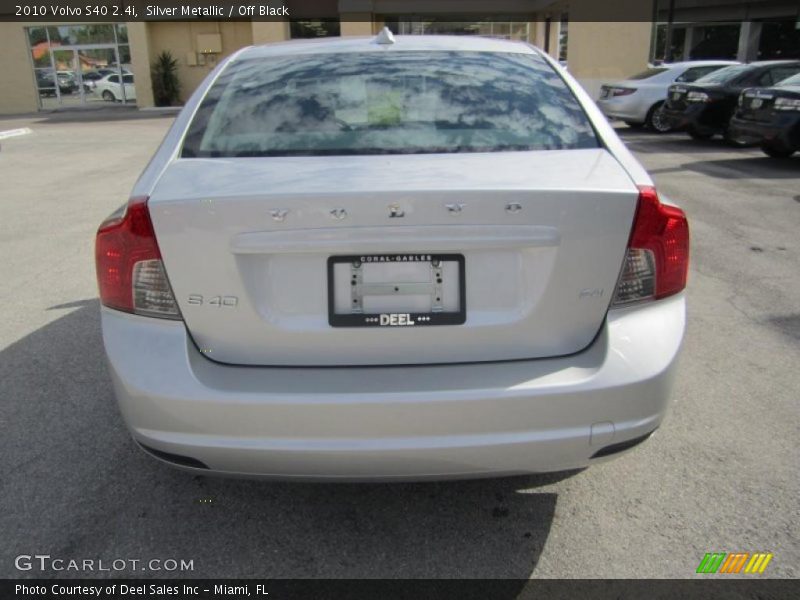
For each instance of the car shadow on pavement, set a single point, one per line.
(93, 114)
(748, 167)
(789, 325)
(105, 113)
(740, 168)
(76, 486)
(646, 142)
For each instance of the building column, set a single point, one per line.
(265, 32)
(18, 93)
(531, 32)
(538, 32)
(356, 24)
(140, 62)
(605, 51)
(555, 36)
(688, 43)
(749, 36)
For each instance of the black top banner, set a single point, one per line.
(76, 11)
(161, 10)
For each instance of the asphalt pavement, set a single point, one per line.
(720, 475)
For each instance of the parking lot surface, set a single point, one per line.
(720, 475)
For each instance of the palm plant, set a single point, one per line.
(166, 85)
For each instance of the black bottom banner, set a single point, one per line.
(417, 589)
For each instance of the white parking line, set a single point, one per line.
(14, 132)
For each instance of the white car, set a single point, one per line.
(637, 100)
(413, 257)
(110, 90)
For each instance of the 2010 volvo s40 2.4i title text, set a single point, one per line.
(411, 257)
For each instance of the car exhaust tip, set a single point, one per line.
(621, 446)
(175, 459)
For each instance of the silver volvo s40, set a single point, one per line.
(411, 257)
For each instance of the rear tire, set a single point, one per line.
(698, 135)
(108, 96)
(774, 152)
(655, 119)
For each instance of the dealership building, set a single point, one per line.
(59, 65)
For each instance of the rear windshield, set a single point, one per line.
(650, 73)
(724, 75)
(387, 103)
(793, 80)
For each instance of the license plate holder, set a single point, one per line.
(430, 290)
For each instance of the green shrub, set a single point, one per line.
(166, 85)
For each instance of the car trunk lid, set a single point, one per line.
(756, 105)
(247, 245)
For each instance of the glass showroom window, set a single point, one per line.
(71, 64)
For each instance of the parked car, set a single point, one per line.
(113, 70)
(46, 82)
(67, 83)
(705, 107)
(90, 79)
(770, 117)
(400, 257)
(638, 100)
(110, 90)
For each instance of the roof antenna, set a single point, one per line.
(385, 37)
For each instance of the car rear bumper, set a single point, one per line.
(623, 108)
(677, 119)
(418, 422)
(783, 133)
(748, 132)
(697, 116)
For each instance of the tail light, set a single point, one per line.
(130, 273)
(698, 97)
(657, 258)
(787, 104)
(622, 91)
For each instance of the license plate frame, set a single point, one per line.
(397, 320)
